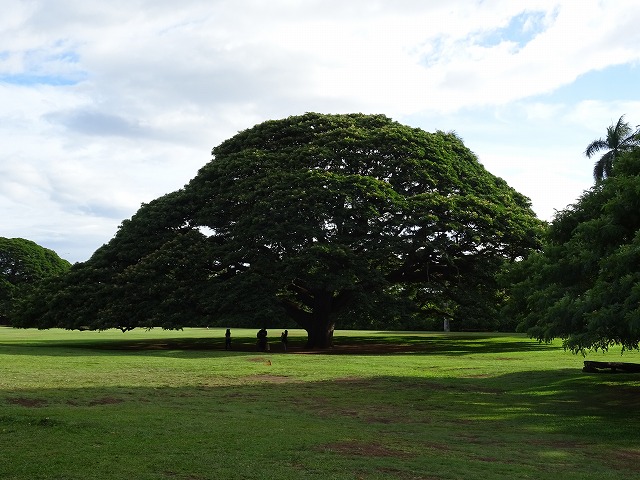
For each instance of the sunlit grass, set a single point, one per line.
(176, 405)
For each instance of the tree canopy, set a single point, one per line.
(324, 219)
(584, 287)
(620, 138)
(23, 264)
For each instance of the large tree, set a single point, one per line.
(585, 285)
(620, 138)
(323, 218)
(24, 264)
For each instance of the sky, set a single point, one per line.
(108, 105)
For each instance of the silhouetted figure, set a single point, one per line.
(227, 340)
(262, 340)
(284, 338)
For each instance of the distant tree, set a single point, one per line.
(23, 264)
(620, 139)
(326, 219)
(585, 285)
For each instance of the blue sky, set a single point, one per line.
(520, 30)
(106, 105)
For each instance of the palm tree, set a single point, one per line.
(620, 138)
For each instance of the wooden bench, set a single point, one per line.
(595, 367)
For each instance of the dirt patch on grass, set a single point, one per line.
(244, 396)
(357, 382)
(382, 420)
(488, 459)
(105, 401)
(28, 402)
(362, 449)
(367, 414)
(560, 444)
(628, 459)
(441, 447)
(97, 402)
(459, 387)
(476, 440)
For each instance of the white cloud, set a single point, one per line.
(591, 114)
(110, 104)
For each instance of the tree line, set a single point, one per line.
(357, 221)
(584, 285)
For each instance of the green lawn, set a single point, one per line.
(400, 405)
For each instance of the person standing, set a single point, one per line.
(263, 346)
(284, 338)
(227, 340)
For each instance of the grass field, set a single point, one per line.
(398, 405)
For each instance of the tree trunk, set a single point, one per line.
(319, 323)
(320, 328)
(320, 335)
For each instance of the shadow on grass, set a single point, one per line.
(420, 427)
(453, 344)
(379, 343)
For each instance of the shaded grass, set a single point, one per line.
(175, 405)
